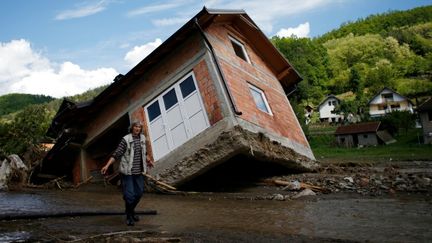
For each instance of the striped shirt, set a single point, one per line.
(137, 163)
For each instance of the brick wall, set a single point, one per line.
(239, 73)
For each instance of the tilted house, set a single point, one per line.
(388, 100)
(326, 108)
(213, 90)
(362, 134)
(425, 113)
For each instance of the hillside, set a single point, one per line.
(11, 103)
(381, 23)
(392, 50)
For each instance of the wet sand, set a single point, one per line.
(222, 217)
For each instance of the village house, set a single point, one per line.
(326, 108)
(214, 90)
(362, 134)
(425, 114)
(387, 101)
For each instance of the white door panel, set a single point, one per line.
(185, 117)
(174, 117)
(160, 147)
(192, 105)
(179, 135)
(198, 123)
(157, 128)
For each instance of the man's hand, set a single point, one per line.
(107, 165)
(104, 169)
(149, 162)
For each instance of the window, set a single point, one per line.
(430, 115)
(388, 96)
(365, 136)
(239, 49)
(260, 99)
(153, 111)
(170, 99)
(187, 87)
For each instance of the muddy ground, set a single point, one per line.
(387, 202)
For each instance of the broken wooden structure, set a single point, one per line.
(215, 89)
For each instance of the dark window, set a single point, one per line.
(170, 99)
(187, 86)
(153, 111)
(430, 115)
(388, 96)
(365, 135)
(239, 49)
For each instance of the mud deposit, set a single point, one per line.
(383, 203)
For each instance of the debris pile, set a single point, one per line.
(363, 179)
(13, 171)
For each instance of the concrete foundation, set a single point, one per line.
(229, 143)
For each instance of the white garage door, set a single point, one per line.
(175, 116)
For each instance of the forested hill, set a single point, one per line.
(13, 102)
(381, 23)
(357, 60)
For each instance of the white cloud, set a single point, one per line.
(138, 53)
(265, 13)
(82, 11)
(154, 8)
(170, 21)
(302, 30)
(22, 70)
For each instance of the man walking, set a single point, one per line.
(134, 160)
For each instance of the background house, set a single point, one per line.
(425, 114)
(362, 134)
(387, 101)
(214, 90)
(326, 107)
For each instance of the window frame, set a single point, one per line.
(263, 97)
(242, 47)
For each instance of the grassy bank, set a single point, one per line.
(407, 147)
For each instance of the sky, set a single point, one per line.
(63, 48)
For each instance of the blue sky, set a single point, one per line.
(62, 48)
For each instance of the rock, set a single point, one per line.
(363, 182)
(293, 185)
(278, 197)
(304, 193)
(349, 179)
(12, 169)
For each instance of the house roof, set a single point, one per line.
(366, 127)
(426, 106)
(328, 97)
(389, 90)
(288, 77)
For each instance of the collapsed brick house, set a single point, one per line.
(215, 89)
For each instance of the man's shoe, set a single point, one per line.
(130, 221)
(135, 218)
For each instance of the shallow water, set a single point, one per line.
(346, 217)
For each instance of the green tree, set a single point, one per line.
(397, 120)
(310, 60)
(354, 81)
(25, 131)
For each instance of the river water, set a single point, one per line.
(224, 217)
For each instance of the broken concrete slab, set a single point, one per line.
(228, 144)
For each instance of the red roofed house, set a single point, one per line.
(213, 90)
(362, 134)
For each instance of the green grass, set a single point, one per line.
(407, 147)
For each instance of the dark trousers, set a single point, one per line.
(133, 189)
